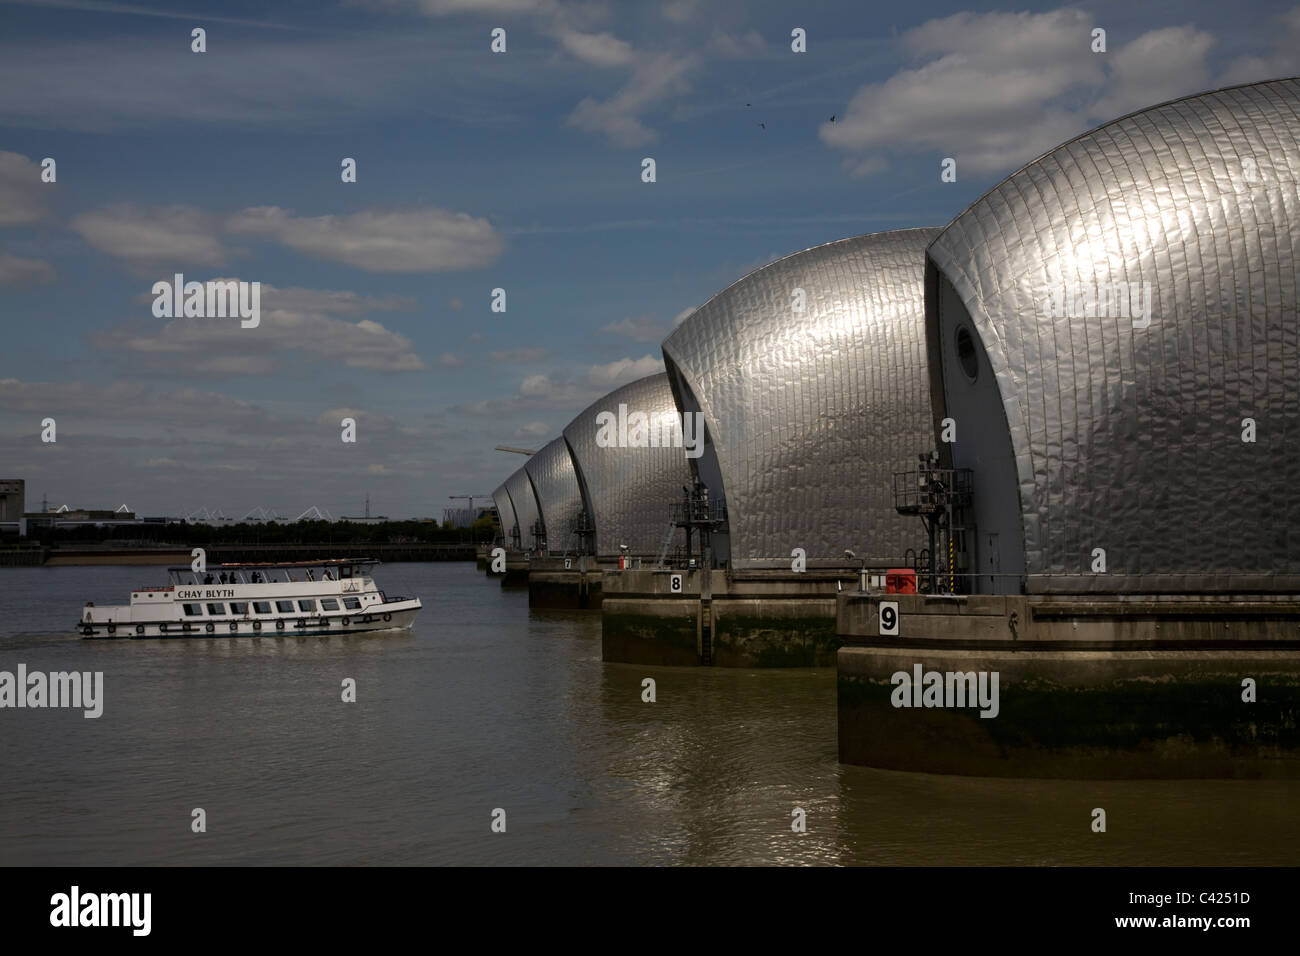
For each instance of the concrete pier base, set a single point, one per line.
(517, 569)
(1089, 688)
(573, 582)
(736, 619)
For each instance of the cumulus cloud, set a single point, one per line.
(22, 194)
(737, 46)
(1284, 60)
(625, 370)
(679, 11)
(654, 78)
(1156, 66)
(18, 271)
(683, 315)
(152, 236)
(407, 240)
(565, 390)
(598, 49)
(130, 400)
(519, 356)
(997, 89)
(305, 322)
(643, 328)
(450, 360)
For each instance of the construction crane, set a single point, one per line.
(517, 451)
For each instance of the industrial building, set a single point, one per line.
(13, 499)
(811, 376)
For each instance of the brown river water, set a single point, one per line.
(487, 705)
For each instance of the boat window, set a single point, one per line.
(238, 607)
(194, 610)
(216, 609)
(306, 605)
(284, 607)
(329, 604)
(345, 572)
(262, 607)
(351, 603)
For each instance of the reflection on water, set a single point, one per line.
(488, 705)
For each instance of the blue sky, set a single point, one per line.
(476, 171)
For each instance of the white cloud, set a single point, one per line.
(598, 49)
(414, 240)
(519, 356)
(737, 46)
(683, 315)
(1155, 67)
(450, 360)
(293, 320)
(618, 119)
(1284, 60)
(679, 11)
(643, 328)
(130, 400)
(17, 271)
(995, 90)
(448, 7)
(624, 370)
(22, 194)
(152, 236)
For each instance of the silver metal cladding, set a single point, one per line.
(527, 514)
(1114, 330)
(558, 496)
(811, 375)
(631, 491)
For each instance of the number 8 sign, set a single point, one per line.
(675, 583)
(888, 618)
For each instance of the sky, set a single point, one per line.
(477, 170)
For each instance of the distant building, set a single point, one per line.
(13, 499)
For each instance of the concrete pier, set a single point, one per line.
(729, 619)
(1087, 687)
(569, 582)
(517, 568)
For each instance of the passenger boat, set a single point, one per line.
(256, 600)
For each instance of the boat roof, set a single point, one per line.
(275, 565)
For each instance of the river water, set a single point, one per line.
(487, 705)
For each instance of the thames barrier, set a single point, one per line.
(1046, 449)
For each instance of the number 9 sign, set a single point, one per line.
(888, 618)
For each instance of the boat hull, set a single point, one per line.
(390, 617)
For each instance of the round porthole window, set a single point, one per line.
(966, 352)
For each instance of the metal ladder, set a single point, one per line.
(706, 632)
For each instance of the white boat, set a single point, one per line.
(256, 600)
